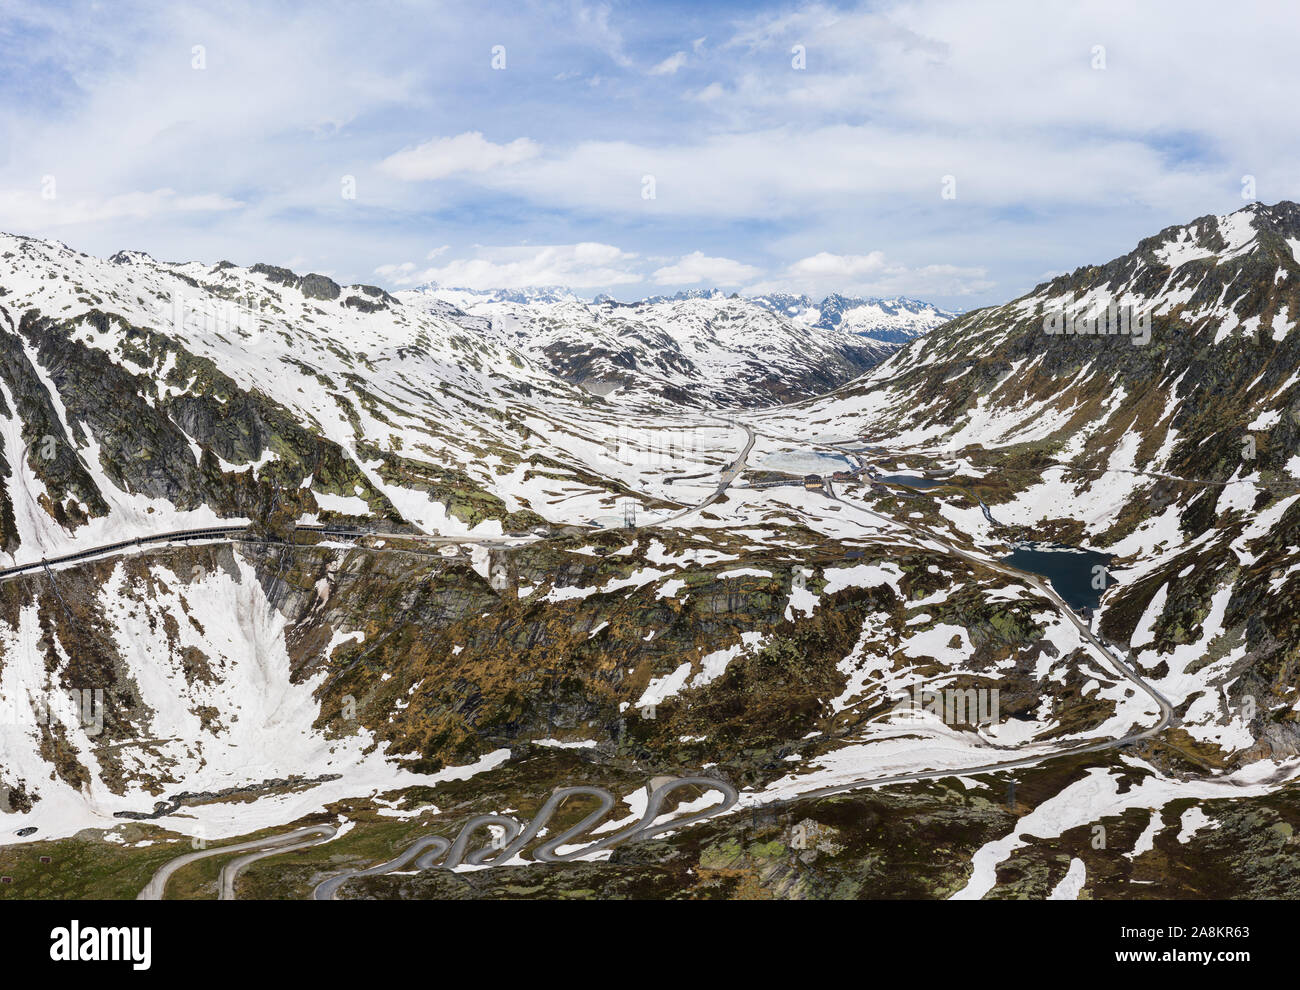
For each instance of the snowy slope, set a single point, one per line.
(175, 395)
(701, 349)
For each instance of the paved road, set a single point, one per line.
(227, 534)
(435, 843)
(517, 837)
(243, 534)
(230, 872)
(270, 846)
(1043, 587)
(729, 474)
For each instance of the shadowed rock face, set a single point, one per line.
(148, 448)
(319, 287)
(283, 276)
(313, 286)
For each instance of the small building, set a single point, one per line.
(812, 482)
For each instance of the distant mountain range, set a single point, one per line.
(698, 347)
(889, 321)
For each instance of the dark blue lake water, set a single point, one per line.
(1070, 570)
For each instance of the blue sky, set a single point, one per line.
(1069, 131)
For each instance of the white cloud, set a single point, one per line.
(592, 22)
(812, 173)
(872, 274)
(590, 265)
(696, 267)
(669, 65)
(710, 93)
(468, 152)
(576, 266)
(1057, 164)
(26, 209)
(397, 273)
(838, 266)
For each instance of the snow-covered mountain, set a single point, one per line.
(1171, 442)
(756, 625)
(885, 321)
(188, 392)
(466, 299)
(892, 321)
(699, 348)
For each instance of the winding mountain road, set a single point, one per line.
(517, 837)
(426, 851)
(270, 846)
(729, 474)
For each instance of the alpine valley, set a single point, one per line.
(452, 593)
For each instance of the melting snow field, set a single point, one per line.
(1098, 795)
(240, 724)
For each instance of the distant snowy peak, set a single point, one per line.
(699, 347)
(891, 321)
(463, 298)
(679, 296)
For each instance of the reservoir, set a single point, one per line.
(1070, 569)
